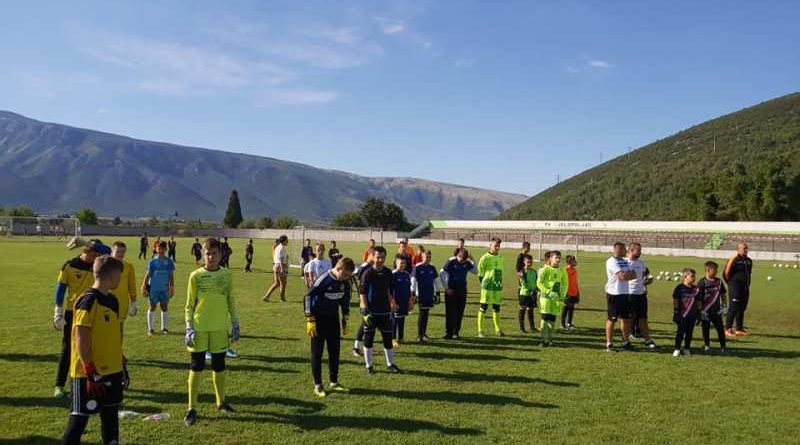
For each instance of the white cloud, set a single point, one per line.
(572, 70)
(296, 97)
(319, 55)
(597, 63)
(102, 111)
(393, 28)
(401, 29)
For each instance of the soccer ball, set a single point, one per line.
(780, 266)
(786, 266)
(658, 278)
(795, 266)
(769, 278)
(774, 265)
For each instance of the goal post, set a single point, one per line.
(39, 226)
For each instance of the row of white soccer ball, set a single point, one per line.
(665, 275)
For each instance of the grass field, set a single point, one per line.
(495, 390)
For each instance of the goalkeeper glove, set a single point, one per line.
(311, 327)
(345, 330)
(94, 387)
(133, 309)
(235, 330)
(189, 338)
(58, 318)
(366, 317)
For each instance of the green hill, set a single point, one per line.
(742, 166)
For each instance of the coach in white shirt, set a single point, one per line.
(617, 297)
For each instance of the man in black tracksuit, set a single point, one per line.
(454, 277)
(329, 293)
(737, 275)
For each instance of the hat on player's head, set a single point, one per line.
(98, 246)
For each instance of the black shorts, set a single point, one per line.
(84, 405)
(380, 322)
(573, 300)
(527, 301)
(618, 306)
(638, 306)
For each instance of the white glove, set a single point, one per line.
(58, 319)
(133, 309)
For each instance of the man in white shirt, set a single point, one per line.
(637, 288)
(317, 266)
(617, 298)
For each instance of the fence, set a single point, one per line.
(39, 226)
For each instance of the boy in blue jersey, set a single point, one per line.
(375, 296)
(328, 294)
(159, 286)
(425, 283)
(454, 280)
(402, 298)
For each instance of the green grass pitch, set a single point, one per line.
(496, 390)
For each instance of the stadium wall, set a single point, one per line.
(765, 227)
(293, 234)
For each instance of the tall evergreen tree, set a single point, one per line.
(233, 215)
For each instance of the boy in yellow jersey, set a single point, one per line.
(552, 284)
(490, 275)
(73, 279)
(126, 291)
(96, 358)
(210, 315)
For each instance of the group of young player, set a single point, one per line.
(96, 292)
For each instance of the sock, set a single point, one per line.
(368, 356)
(389, 353)
(164, 318)
(480, 316)
(76, 425)
(564, 313)
(194, 383)
(530, 318)
(358, 345)
(522, 318)
(496, 320)
(548, 333)
(151, 319)
(219, 386)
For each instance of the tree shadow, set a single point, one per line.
(31, 440)
(494, 378)
(270, 337)
(456, 397)
(479, 357)
(34, 402)
(167, 397)
(750, 353)
(22, 357)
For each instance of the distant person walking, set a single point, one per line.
(737, 275)
(172, 248)
(248, 256)
(143, 244)
(280, 267)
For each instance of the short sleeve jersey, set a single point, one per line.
(711, 292)
(317, 267)
(527, 284)
(425, 277)
(77, 275)
(636, 286)
(614, 265)
(126, 288)
(401, 284)
(457, 273)
(210, 305)
(279, 255)
(100, 313)
(490, 267)
(687, 297)
(160, 269)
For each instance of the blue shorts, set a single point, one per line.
(157, 297)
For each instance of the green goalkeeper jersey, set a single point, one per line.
(209, 301)
(552, 284)
(490, 268)
(527, 283)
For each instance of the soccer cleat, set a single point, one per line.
(165, 331)
(393, 369)
(742, 332)
(729, 333)
(706, 349)
(572, 327)
(337, 387)
(447, 337)
(633, 336)
(686, 352)
(523, 332)
(370, 370)
(190, 418)
(425, 339)
(356, 352)
(500, 334)
(650, 344)
(319, 391)
(231, 353)
(265, 299)
(150, 333)
(480, 334)
(676, 353)
(723, 351)
(627, 346)
(225, 408)
(454, 336)
(59, 392)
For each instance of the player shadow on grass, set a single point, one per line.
(33, 402)
(167, 397)
(237, 365)
(22, 357)
(269, 337)
(38, 440)
(323, 422)
(480, 377)
(455, 397)
(479, 357)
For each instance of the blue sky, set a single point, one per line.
(497, 94)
